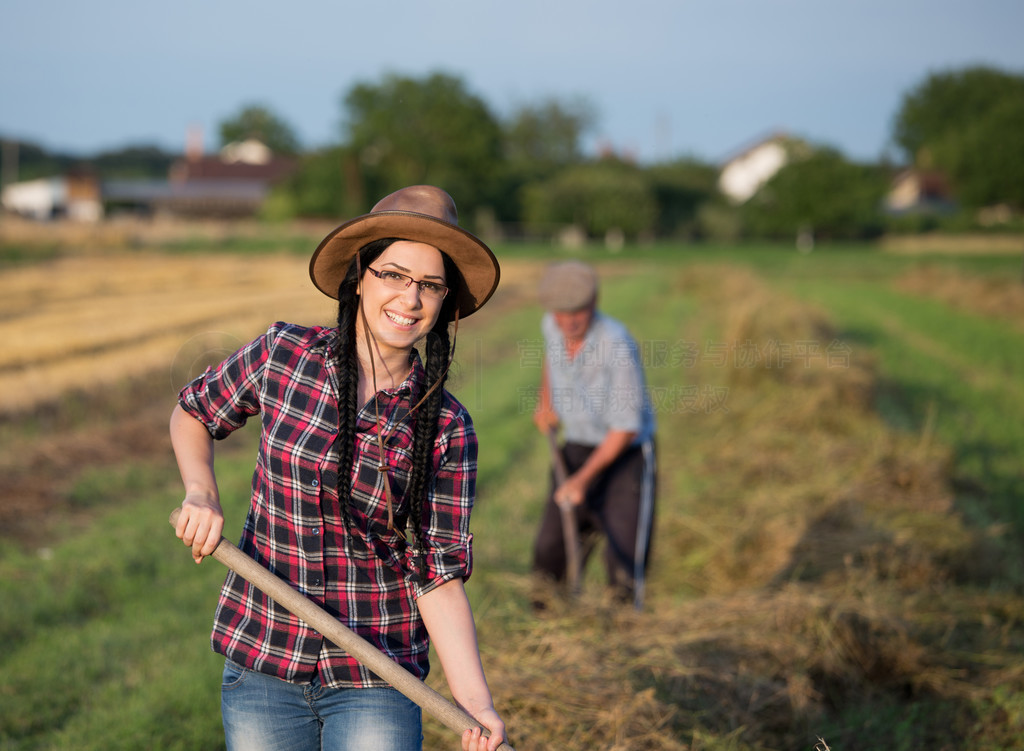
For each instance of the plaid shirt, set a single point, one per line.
(362, 575)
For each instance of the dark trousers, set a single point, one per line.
(619, 506)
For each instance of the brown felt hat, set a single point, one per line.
(568, 286)
(421, 213)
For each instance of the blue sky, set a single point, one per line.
(667, 78)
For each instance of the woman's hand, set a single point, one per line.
(474, 739)
(200, 524)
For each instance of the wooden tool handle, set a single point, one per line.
(368, 655)
(573, 561)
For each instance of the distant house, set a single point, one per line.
(743, 175)
(214, 198)
(917, 191)
(233, 183)
(72, 196)
(242, 161)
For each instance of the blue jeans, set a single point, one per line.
(263, 713)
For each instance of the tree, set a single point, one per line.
(970, 125)
(430, 130)
(256, 121)
(323, 185)
(598, 197)
(823, 194)
(140, 161)
(680, 189)
(539, 140)
(985, 160)
(544, 137)
(24, 160)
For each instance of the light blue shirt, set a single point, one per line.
(603, 387)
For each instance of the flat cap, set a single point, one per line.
(568, 285)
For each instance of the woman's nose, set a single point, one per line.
(411, 294)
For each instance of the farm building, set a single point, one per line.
(232, 183)
(220, 198)
(75, 197)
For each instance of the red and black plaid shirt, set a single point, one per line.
(364, 574)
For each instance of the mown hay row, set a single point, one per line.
(81, 323)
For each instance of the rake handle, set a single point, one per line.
(368, 655)
(568, 515)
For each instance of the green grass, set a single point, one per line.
(12, 256)
(958, 371)
(105, 630)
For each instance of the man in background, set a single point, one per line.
(593, 388)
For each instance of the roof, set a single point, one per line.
(214, 168)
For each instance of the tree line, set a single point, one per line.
(528, 174)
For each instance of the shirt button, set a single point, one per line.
(316, 483)
(316, 530)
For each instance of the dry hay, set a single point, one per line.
(768, 335)
(567, 681)
(822, 550)
(985, 295)
(819, 548)
(954, 244)
(80, 323)
(96, 348)
(763, 668)
(822, 485)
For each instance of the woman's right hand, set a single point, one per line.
(200, 524)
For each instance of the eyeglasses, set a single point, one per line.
(394, 280)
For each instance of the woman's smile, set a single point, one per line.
(400, 320)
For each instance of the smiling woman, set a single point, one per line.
(395, 312)
(363, 490)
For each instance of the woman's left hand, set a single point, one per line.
(474, 739)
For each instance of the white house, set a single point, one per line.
(744, 174)
(35, 199)
(48, 197)
(919, 191)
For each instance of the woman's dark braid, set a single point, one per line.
(348, 372)
(425, 435)
(348, 375)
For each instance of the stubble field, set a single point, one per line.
(830, 563)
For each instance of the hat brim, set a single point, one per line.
(475, 261)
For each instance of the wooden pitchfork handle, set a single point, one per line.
(568, 514)
(368, 655)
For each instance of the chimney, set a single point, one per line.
(194, 143)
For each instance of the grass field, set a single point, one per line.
(837, 555)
